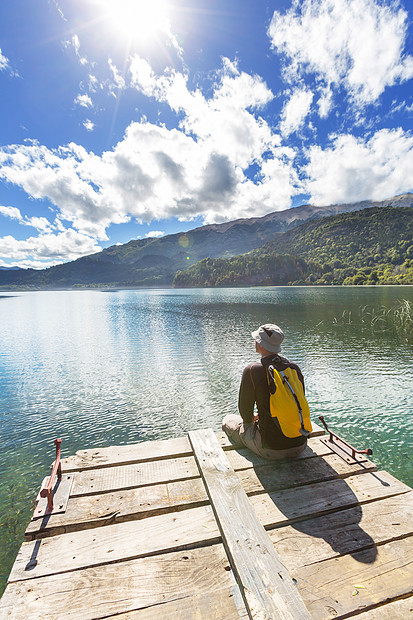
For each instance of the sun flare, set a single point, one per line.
(137, 19)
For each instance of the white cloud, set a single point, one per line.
(295, 111)
(401, 106)
(199, 169)
(358, 44)
(59, 10)
(117, 77)
(6, 66)
(58, 225)
(58, 176)
(11, 212)
(225, 123)
(4, 62)
(84, 101)
(142, 75)
(353, 169)
(93, 82)
(28, 264)
(46, 249)
(325, 101)
(75, 43)
(88, 125)
(154, 234)
(40, 223)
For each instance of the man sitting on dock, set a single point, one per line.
(276, 386)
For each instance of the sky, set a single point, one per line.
(127, 119)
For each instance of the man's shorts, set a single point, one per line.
(248, 436)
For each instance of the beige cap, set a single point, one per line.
(269, 336)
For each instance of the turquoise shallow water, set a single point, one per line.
(105, 368)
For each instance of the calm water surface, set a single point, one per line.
(103, 368)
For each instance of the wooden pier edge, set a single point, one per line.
(266, 585)
(196, 528)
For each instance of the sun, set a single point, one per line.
(138, 20)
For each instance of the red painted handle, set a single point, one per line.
(57, 468)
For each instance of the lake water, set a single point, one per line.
(104, 368)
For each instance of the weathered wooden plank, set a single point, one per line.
(284, 474)
(242, 458)
(329, 588)
(106, 479)
(395, 610)
(290, 505)
(308, 541)
(346, 531)
(93, 511)
(273, 509)
(114, 543)
(119, 588)
(266, 585)
(221, 604)
(99, 510)
(130, 476)
(96, 458)
(153, 472)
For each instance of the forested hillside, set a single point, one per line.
(265, 268)
(372, 246)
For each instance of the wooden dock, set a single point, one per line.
(191, 528)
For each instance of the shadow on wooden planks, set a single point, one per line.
(316, 499)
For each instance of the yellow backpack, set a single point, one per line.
(288, 403)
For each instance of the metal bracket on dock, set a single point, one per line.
(342, 448)
(61, 492)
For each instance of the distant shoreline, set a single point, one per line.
(115, 289)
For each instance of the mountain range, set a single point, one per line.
(371, 246)
(155, 262)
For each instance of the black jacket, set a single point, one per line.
(254, 390)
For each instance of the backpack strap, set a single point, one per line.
(303, 431)
(270, 378)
